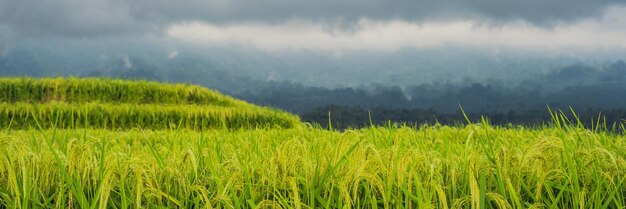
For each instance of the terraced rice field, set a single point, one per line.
(117, 104)
(107, 163)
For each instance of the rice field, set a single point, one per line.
(102, 164)
(27, 103)
(81, 90)
(476, 166)
(147, 116)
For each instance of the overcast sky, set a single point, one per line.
(327, 25)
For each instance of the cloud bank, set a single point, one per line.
(605, 32)
(79, 18)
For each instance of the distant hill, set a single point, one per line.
(122, 104)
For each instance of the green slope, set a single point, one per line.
(123, 104)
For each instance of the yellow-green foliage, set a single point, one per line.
(80, 90)
(145, 145)
(120, 104)
(476, 166)
(149, 116)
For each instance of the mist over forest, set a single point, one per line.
(311, 84)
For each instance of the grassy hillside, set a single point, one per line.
(122, 104)
(80, 90)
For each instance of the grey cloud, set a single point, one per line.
(86, 18)
(75, 18)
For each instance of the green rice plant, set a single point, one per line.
(94, 143)
(304, 167)
(81, 90)
(146, 116)
(119, 104)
